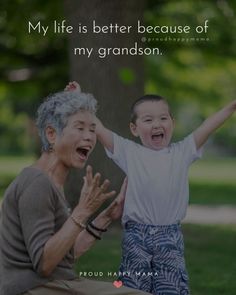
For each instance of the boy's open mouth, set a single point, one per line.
(158, 136)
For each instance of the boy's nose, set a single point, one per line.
(156, 123)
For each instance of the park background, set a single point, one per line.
(198, 77)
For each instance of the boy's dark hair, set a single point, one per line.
(147, 97)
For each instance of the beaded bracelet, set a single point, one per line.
(78, 223)
(92, 233)
(97, 228)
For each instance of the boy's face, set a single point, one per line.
(153, 125)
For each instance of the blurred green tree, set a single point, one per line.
(197, 76)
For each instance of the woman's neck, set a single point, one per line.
(58, 172)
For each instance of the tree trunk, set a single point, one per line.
(101, 76)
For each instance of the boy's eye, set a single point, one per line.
(148, 120)
(80, 128)
(92, 130)
(164, 118)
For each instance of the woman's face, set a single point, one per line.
(77, 140)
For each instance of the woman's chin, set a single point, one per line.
(79, 164)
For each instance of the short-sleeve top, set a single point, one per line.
(33, 210)
(158, 191)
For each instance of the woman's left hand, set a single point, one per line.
(115, 209)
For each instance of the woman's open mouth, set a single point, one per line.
(83, 152)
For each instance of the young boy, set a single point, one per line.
(157, 193)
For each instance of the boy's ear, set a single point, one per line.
(173, 120)
(51, 134)
(133, 129)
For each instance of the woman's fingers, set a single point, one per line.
(121, 196)
(124, 186)
(89, 174)
(93, 193)
(109, 195)
(105, 185)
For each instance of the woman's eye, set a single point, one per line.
(148, 120)
(164, 118)
(92, 130)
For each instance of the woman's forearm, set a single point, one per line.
(85, 240)
(58, 245)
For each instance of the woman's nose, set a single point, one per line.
(87, 135)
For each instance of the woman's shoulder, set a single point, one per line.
(30, 178)
(31, 173)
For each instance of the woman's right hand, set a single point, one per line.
(93, 195)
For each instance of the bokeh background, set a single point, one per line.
(197, 77)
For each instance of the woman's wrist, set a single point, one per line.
(79, 218)
(77, 222)
(102, 221)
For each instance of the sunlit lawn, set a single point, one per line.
(210, 257)
(210, 250)
(219, 170)
(213, 182)
(10, 165)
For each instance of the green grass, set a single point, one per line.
(212, 182)
(220, 170)
(10, 165)
(210, 257)
(212, 194)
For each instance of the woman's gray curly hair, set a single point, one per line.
(58, 107)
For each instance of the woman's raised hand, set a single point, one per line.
(93, 194)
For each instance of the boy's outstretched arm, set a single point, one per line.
(202, 133)
(104, 135)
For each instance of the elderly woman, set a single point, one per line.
(40, 236)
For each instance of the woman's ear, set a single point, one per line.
(50, 133)
(133, 129)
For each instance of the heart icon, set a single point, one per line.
(117, 284)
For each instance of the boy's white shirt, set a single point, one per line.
(158, 190)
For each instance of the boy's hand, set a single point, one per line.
(73, 86)
(234, 105)
(212, 123)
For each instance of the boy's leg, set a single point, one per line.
(171, 277)
(135, 269)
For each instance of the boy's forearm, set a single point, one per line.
(212, 123)
(104, 135)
